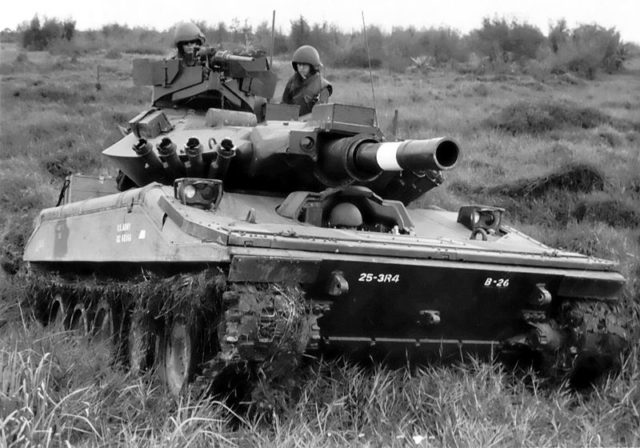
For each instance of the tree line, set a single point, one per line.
(497, 45)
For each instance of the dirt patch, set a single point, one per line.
(578, 178)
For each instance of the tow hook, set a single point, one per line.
(338, 285)
(545, 337)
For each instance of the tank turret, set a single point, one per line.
(338, 146)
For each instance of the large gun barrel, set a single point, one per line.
(363, 159)
(415, 155)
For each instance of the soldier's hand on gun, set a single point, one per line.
(205, 52)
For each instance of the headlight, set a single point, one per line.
(481, 217)
(203, 193)
(189, 191)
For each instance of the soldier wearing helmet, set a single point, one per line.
(306, 87)
(188, 39)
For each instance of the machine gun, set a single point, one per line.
(208, 79)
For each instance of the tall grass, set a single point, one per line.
(57, 389)
(54, 390)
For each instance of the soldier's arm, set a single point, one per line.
(325, 93)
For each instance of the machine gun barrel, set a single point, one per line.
(363, 159)
(222, 56)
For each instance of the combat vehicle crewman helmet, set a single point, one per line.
(344, 215)
(188, 32)
(306, 54)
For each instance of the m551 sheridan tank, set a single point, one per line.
(253, 235)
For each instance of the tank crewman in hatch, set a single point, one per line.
(345, 215)
(188, 39)
(307, 86)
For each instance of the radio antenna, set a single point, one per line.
(373, 92)
(273, 37)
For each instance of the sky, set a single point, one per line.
(462, 15)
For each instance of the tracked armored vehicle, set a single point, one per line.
(251, 235)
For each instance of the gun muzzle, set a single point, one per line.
(363, 159)
(415, 155)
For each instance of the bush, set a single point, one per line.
(9, 36)
(590, 48)
(558, 35)
(507, 42)
(443, 44)
(113, 54)
(22, 58)
(262, 39)
(37, 37)
(299, 35)
(536, 118)
(614, 212)
(356, 57)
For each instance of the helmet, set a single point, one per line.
(306, 55)
(187, 32)
(345, 214)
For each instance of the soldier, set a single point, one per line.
(307, 86)
(188, 39)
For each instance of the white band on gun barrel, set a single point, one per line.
(386, 156)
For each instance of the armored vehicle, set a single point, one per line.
(251, 235)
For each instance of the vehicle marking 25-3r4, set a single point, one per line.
(369, 277)
(496, 282)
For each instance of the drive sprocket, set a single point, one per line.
(263, 329)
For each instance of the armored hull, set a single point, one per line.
(432, 291)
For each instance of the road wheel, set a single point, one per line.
(180, 353)
(77, 320)
(102, 328)
(57, 313)
(103, 331)
(141, 344)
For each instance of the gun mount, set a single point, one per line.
(208, 79)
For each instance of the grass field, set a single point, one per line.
(562, 155)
